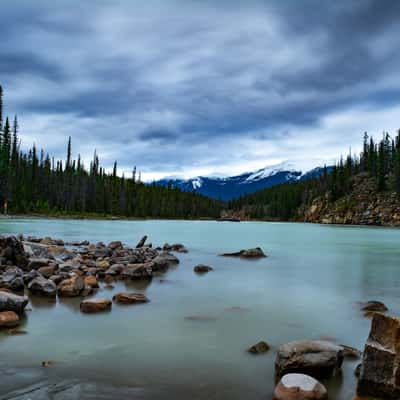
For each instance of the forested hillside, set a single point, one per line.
(32, 182)
(359, 189)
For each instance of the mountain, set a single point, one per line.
(235, 186)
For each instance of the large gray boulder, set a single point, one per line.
(316, 358)
(12, 302)
(379, 375)
(42, 287)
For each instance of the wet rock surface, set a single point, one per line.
(316, 358)
(130, 298)
(379, 374)
(95, 306)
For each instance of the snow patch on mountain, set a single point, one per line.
(270, 171)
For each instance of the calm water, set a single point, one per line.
(306, 288)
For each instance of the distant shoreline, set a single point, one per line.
(121, 218)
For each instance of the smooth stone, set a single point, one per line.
(9, 319)
(130, 298)
(12, 302)
(316, 358)
(42, 287)
(71, 287)
(91, 281)
(299, 387)
(95, 305)
(201, 269)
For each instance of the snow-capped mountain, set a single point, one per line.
(239, 185)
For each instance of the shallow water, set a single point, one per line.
(307, 288)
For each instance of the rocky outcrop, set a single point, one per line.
(12, 302)
(8, 319)
(316, 358)
(363, 206)
(379, 375)
(257, 252)
(299, 387)
(95, 305)
(130, 298)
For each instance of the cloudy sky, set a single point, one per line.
(185, 88)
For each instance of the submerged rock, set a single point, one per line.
(299, 387)
(316, 358)
(257, 252)
(201, 269)
(95, 305)
(12, 302)
(130, 298)
(259, 348)
(379, 375)
(178, 247)
(8, 319)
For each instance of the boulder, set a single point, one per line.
(42, 287)
(91, 281)
(12, 302)
(164, 260)
(137, 271)
(299, 387)
(12, 279)
(373, 306)
(316, 358)
(71, 287)
(130, 298)
(201, 269)
(103, 264)
(116, 244)
(259, 348)
(36, 263)
(12, 251)
(95, 305)
(178, 247)
(47, 271)
(8, 319)
(379, 375)
(257, 252)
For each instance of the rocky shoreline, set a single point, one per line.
(54, 269)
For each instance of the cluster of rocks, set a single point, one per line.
(51, 268)
(363, 206)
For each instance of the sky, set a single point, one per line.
(187, 88)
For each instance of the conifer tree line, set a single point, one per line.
(32, 182)
(379, 161)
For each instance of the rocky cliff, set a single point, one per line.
(363, 206)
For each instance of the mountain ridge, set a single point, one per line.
(232, 187)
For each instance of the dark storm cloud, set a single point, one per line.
(168, 85)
